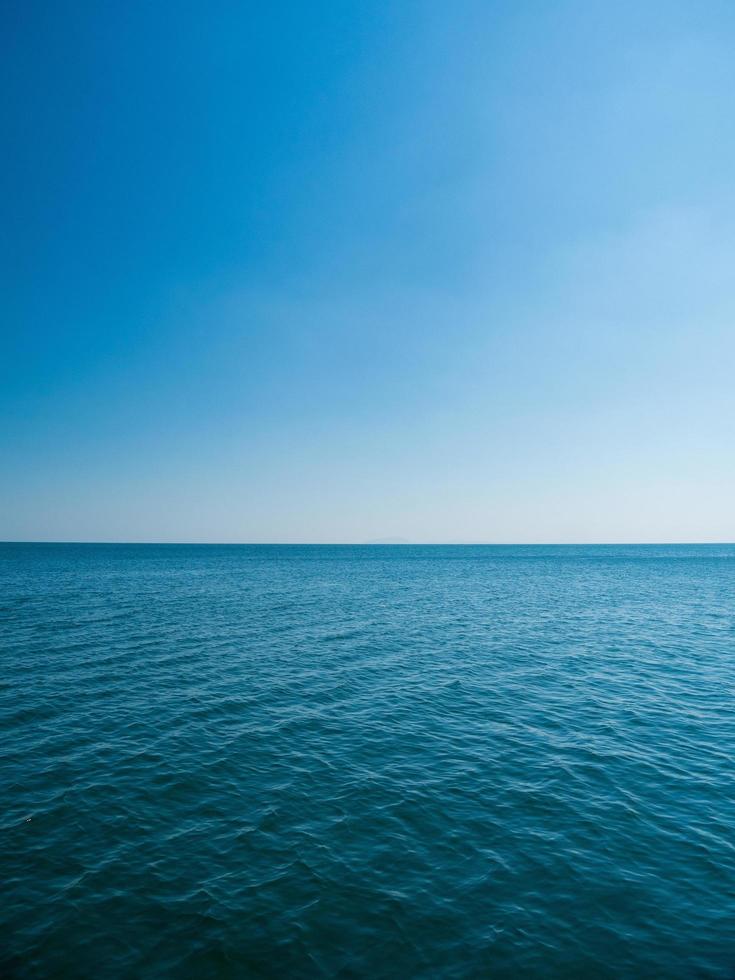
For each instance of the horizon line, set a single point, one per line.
(372, 544)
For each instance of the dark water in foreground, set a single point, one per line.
(367, 762)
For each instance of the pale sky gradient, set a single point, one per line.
(324, 272)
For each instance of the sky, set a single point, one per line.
(339, 272)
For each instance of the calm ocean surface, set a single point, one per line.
(367, 761)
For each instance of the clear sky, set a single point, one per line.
(330, 271)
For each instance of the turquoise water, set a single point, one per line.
(367, 761)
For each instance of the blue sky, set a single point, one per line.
(339, 272)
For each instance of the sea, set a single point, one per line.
(367, 761)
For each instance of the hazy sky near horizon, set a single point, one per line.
(336, 272)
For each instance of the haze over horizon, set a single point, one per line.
(324, 274)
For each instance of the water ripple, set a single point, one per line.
(368, 762)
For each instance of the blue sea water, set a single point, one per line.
(445, 762)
